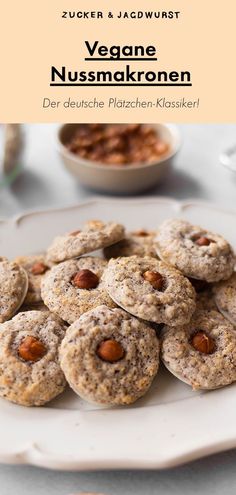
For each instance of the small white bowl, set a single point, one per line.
(128, 179)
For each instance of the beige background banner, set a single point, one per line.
(34, 37)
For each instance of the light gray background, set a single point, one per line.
(44, 183)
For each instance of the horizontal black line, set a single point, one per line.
(120, 59)
(118, 84)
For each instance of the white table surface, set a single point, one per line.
(44, 183)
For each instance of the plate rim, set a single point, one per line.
(180, 204)
(33, 454)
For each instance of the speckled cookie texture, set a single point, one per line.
(25, 382)
(98, 381)
(139, 242)
(95, 235)
(67, 301)
(35, 267)
(13, 288)
(173, 305)
(176, 244)
(200, 370)
(225, 298)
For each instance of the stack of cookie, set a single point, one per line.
(202, 352)
(101, 323)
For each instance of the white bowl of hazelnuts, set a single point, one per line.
(118, 158)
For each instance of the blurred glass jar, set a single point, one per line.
(228, 158)
(11, 151)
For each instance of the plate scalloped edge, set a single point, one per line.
(169, 434)
(178, 205)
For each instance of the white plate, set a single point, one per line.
(169, 426)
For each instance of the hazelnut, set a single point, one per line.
(110, 350)
(155, 279)
(203, 343)
(115, 158)
(141, 233)
(114, 143)
(85, 279)
(202, 241)
(117, 144)
(39, 268)
(75, 232)
(83, 152)
(85, 141)
(31, 349)
(95, 127)
(161, 148)
(132, 127)
(146, 130)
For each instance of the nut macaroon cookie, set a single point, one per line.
(202, 353)
(196, 252)
(35, 267)
(225, 298)
(139, 242)
(13, 288)
(74, 287)
(30, 374)
(150, 289)
(95, 235)
(109, 357)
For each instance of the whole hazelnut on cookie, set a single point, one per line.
(155, 279)
(39, 268)
(141, 233)
(203, 343)
(202, 241)
(85, 279)
(31, 349)
(110, 350)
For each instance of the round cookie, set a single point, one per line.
(109, 357)
(63, 293)
(13, 288)
(202, 353)
(95, 235)
(30, 374)
(35, 267)
(225, 298)
(129, 283)
(196, 252)
(139, 242)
